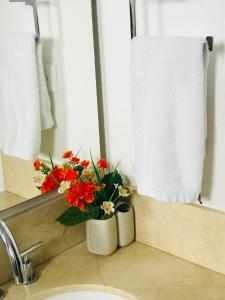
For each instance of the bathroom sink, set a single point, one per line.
(86, 295)
(83, 292)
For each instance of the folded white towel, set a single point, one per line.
(24, 99)
(168, 76)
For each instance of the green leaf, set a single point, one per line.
(95, 169)
(117, 165)
(51, 160)
(109, 180)
(78, 168)
(73, 215)
(78, 152)
(106, 216)
(100, 197)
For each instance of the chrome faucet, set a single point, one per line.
(2, 294)
(23, 272)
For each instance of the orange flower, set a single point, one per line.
(75, 160)
(85, 163)
(37, 164)
(67, 154)
(100, 187)
(102, 164)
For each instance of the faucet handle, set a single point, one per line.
(36, 246)
(29, 275)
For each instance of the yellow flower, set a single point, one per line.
(123, 192)
(64, 186)
(87, 172)
(38, 178)
(108, 207)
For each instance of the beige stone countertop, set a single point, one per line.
(144, 272)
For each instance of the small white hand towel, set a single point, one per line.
(168, 78)
(24, 99)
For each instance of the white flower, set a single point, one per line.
(123, 192)
(116, 185)
(108, 207)
(38, 178)
(64, 186)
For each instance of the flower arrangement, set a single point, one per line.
(91, 189)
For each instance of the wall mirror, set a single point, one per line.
(66, 35)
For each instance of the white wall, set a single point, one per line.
(163, 17)
(1, 177)
(113, 16)
(66, 31)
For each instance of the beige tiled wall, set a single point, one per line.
(18, 177)
(192, 232)
(8, 200)
(38, 224)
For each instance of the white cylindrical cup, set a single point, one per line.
(125, 223)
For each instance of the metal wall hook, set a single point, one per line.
(209, 39)
(133, 18)
(32, 3)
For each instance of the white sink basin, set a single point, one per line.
(86, 295)
(83, 292)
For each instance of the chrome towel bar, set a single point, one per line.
(32, 3)
(209, 39)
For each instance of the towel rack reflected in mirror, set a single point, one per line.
(32, 3)
(209, 39)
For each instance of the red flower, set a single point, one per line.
(49, 184)
(37, 164)
(74, 201)
(67, 154)
(102, 164)
(61, 174)
(85, 163)
(70, 175)
(58, 174)
(75, 160)
(81, 193)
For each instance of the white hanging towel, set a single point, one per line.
(24, 100)
(168, 78)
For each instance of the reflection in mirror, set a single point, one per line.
(46, 87)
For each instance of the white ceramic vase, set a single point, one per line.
(125, 223)
(101, 236)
